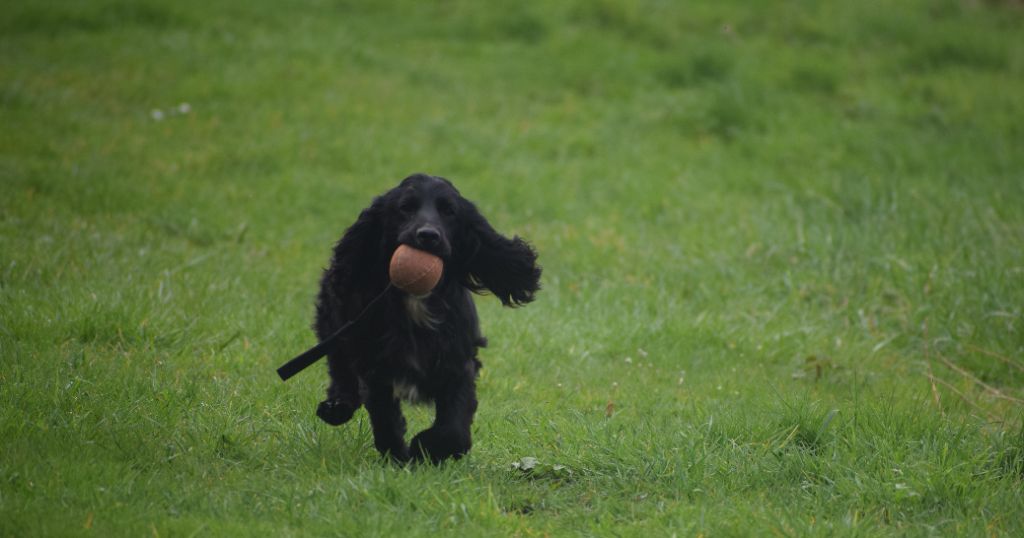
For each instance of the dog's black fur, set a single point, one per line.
(420, 348)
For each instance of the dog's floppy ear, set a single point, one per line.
(360, 249)
(506, 267)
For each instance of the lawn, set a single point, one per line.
(783, 250)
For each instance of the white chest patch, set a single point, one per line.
(419, 313)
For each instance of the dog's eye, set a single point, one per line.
(407, 206)
(445, 208)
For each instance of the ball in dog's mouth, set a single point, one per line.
(414, 271)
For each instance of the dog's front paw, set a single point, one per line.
(398, 455)
(437, 444)
(335, 411)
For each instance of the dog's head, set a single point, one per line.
(425, 214)
(428, 213)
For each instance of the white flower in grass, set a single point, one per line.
(156, 114)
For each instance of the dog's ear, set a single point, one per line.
(506, 267)
(361, 248)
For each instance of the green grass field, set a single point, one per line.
(783, 249)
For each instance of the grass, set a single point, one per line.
(783, 250)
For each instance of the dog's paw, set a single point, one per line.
(436, 445)
(398, 456)
(335, 411)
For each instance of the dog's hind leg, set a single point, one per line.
(343, 397)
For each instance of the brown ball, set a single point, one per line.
(414, 271)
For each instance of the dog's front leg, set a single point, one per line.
(449, 437)
(343, 393)
(387, 421)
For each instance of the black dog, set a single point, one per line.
(417, 348)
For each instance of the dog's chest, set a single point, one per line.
(421, 358)
(419, 312)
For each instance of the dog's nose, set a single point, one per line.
(427, 236)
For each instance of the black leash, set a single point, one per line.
(313, 354)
